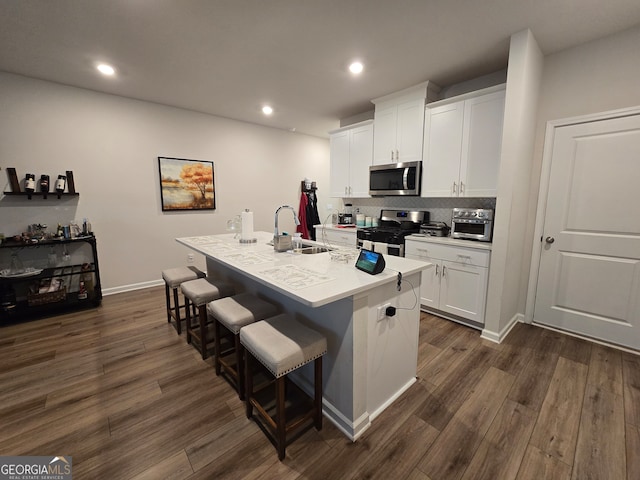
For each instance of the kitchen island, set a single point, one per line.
(371, 358)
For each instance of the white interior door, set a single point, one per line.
(589, 276)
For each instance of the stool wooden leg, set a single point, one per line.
(281, 422)
(202, 315)
(176, 303)
(187, 320)
(239, 366)
(248, 381)
(216, 356)
(168, 297)
(317, 400)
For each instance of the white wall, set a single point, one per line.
(594, 77)
(523, 82)
(112, 144)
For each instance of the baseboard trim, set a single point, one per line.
(498, 337)
(392, 399)
(131, 287)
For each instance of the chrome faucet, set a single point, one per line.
(282, 243)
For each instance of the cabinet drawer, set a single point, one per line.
(427, 250)
(347, 239)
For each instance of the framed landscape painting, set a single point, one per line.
(186, 184)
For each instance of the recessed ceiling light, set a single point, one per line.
(267, 110)
(356, 68)
(106, 69)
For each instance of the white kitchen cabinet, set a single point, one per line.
(398, 133)
(399, 124)
(337, 237)
(462, 145)
(351, 153)
(457, 284)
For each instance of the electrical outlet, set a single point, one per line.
(382, 311)
(190, 258)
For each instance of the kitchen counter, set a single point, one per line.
(454, 242)
(369, 362)
(313, 280)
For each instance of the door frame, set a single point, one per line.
(543, 191)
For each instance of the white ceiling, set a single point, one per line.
(229, 57)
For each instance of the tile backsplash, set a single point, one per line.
(439, 208)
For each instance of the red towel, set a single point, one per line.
(302, 216)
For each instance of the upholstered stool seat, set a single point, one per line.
(173, 278)
(233, 313)
(200, 292)
(282, 344)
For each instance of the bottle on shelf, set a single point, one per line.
(44, 183)
(30, 183)
(61, 183)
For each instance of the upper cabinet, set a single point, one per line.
(351, 153)
(462, 145)
(399, 124)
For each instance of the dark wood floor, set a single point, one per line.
(118, 390)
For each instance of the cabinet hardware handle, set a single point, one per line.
(455, 188)
(443, 270)
(392, 155)
(437, 269)
(397, 155)
(461, 188)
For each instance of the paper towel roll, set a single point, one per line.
(247, 225)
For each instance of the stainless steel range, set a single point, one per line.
(394, 226)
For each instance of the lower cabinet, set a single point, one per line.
(457, 284)
(337, 238)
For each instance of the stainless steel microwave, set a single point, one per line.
(395, 179)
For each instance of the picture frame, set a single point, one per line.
(186, 184)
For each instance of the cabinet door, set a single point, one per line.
(442, 150)
(384, 135)
(482, 145)
(463, 290)
(361, 158)
(339, 163)
(430, 286)
(410, 131)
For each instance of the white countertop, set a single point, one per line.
(313, 280)
(454, 242)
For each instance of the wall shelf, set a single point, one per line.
(41, 194)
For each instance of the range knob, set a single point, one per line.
(473, 214)
(480, 214)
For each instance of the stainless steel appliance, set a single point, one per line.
(436, 229)
(472, 224)
(394, 225)
(395, 179)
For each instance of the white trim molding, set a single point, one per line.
(498, 337)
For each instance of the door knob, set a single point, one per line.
(549, 240)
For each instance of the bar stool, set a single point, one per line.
(200, 292)
(282, 344)
(173, 278)
(233, 313)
